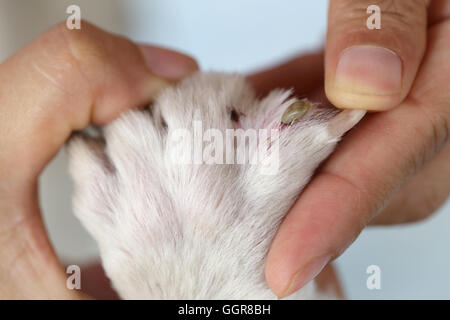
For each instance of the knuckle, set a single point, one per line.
(85, 45)
(52, 59)
(80, 53)
(94, 51)
(70, 60)
(75, 56)
(396, 16)
(403, 23)
(393, 11)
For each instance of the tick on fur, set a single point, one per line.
(295, 111)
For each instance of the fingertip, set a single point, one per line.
(284, 282)
(275, 277)
(285, 273)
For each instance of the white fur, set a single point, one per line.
(170, 231)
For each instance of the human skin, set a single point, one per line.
(66, 80)
(62, 81)
(393, 167)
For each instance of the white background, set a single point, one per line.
(232, 35)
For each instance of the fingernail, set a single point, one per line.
(167, 63)
(369, 70)
(305, 275)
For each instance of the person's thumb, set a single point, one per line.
(373, 51)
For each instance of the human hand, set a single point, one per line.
(393, 167)
(62, 81)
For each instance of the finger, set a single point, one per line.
(66, 79)
(365, 171)
(304, 74)
(425, 193)
(60, 82)
(431, 186)
(373, 69)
